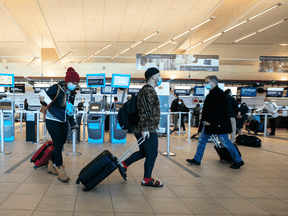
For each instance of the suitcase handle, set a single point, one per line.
(215, 140)
(127, 153)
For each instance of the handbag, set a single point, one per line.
(44, 108)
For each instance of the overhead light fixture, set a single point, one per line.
(173, 39)
(98, 51)
(33, 61)
(135, 44)
(259, 31)
(283, 44)
(245, 21)
(68, 54)
(4, 63)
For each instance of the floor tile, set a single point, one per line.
(98, 191)
(29, 188)
(129, 214)
(150, 192)
(273, 206)
(57, 203)
(21, 202)
(3, 197)
(159, 205)
(94, 204)
(187, 191)
(200, 206)
(15, 213)
(131, 205)
(8, 188)
(92, 214)
(250, 192)
(123, 191)
(14, 178)
(277, 192)
(223, 193)
(52, 213)
(69, 189)
(240, 206)
(177, 181)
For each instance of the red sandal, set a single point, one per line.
(152, 183)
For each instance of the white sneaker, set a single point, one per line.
(183, 132)
(177, 132)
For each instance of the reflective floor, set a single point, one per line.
(260, 187)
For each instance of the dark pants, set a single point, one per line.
(273, 125)
(58, 132)
(149, 150)
(182, 122)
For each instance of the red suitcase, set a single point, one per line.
(43, 155)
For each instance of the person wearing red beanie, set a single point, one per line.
(60, 112)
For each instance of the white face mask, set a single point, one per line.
(179, 103)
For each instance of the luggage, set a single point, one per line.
(253, 125)
(102, 166)
(44, 153)
(222, 151)
(252, 141)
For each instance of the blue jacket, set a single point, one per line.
(58, 108)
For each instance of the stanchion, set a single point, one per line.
(38, 123)
(84, 126)
(74, 152)
(3, 152)
(168, 153)
(189, 127)
(179, 123)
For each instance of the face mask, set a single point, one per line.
(179, 103)
(266, 102)
(159, 81)
(208, 86)
(71, 86)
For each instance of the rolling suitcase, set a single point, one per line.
(222, 151)
(44, 153)
(102, 166)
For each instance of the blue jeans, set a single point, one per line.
(224, 141)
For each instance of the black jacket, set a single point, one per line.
(174, 105)
(243, 111)
(58, 108)
(80, 106)
(232, 106)
(215, 112)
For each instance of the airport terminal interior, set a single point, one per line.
(111, 44)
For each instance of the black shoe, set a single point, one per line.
(272, 134)
(192, 161)
(122, 171)
(237, 165)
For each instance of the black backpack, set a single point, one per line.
(128, 114)
(252, 141)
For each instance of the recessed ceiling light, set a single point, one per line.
(283, 44)
(174, 42)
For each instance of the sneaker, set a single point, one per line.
(237, 165)
(192, 161)
(122, 171)
(183, 132)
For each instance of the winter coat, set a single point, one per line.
(243, 109)
(215, 112)
(174, 105)
(232, 106)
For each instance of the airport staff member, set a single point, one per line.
(57, 118)
(241, 116)
(149, 116)
(271, 108)
(215, 120)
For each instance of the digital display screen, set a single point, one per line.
(7, 80)
(107, 90)
(199, 91)
(248, 91)
(88, 90)
(274, 92)
(182, 91)
(19, 88)
(120, 81)
(95, 80)
(39, 89)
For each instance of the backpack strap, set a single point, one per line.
(58, 91)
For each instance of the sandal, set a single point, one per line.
(123, 171)
(152, 183)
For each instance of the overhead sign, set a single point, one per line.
(274, 92)
(198, 91)
(7, 80)
(120, 80)
(178, 62)
(182, 91)
(87, 90)
(273, 64)
(95, 80)
(108, 89)
(19, 88)
(248, 91)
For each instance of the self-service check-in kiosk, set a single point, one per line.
(117, 134)
(8, 121)
(95, 123)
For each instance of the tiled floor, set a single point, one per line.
(260, 187)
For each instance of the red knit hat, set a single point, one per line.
(72, 75)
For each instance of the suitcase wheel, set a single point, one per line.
(77, 182)
(35, 167)
(31, 160)
(85, 189)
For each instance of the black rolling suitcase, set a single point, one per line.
(222, 151)
(102, 166)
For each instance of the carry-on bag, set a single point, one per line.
(245, 140)
(222, 151)
(102, 166)
(44, 153)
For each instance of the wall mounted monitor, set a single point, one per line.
(198, 91)
(39, 87)
(7, 80)
(107, 90)
(248, 91)
(95, 80)
(19, 88)
(274, 92)
(120, 80)
(86, 90)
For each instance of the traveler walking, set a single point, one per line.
(181, 107)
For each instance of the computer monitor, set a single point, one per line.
(96, 107)
(120, 80)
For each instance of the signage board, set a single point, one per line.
(198, 91)
(7, 80)
(19, 88)
(95, 80)
(87, 90)
(274, 92)
(248, 91)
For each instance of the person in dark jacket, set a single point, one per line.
(241, 116)
(149, 116)
(174, 105)
(57, 117)
(80, 108)
(26, 107)
(215, 120)
(181, 107)
(232, 110)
